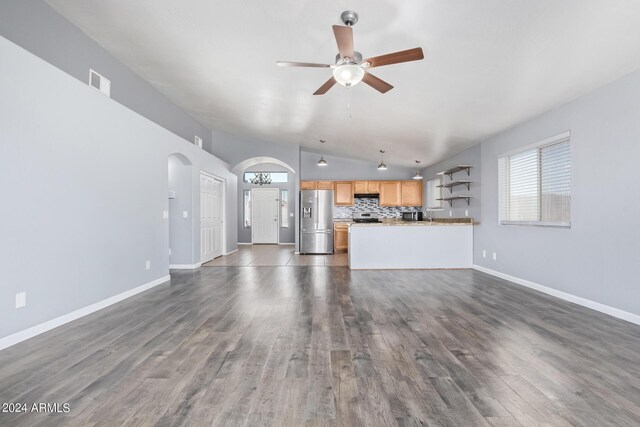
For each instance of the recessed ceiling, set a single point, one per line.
(488, 65)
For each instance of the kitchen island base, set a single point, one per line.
(425, 246)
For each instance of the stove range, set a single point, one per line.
(360, 217)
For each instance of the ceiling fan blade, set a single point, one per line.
(396, 57)
(344, 38)
(301, 64)
(325, 87)
(376, 83)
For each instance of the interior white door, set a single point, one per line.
(265, 204)
(211, 218)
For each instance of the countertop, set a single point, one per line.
(386, 222)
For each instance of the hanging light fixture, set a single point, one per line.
(382, 166)
(322, 161)
(261, 178)
(417, 175)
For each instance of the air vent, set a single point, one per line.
(197, 141)
(99, 82)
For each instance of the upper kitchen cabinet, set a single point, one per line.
(316, 185)
(366, 187)
(390, 193)
(343, 193)
(411, 193)
(308, 185)
(361, 187)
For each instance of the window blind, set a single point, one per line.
(535, 184)
(434, 193)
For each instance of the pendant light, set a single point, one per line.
(382, 166)
(322, 161)
(417, 175)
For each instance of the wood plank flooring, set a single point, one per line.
(275, 255)
(325, 346)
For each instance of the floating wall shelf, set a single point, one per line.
(455, 184)
(452, 198)
(458, 168)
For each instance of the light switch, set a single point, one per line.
(165, 214)
(185, 214)
(21, 299)
(291, 214)
(484, 254)
(495, 256)
(148, 265)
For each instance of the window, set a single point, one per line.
(434, 192)
(276, 177)
(284, 212)
(535, 184)
(247, 208)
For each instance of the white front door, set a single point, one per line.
(265, 203)
(211, 218)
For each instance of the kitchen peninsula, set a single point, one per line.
(411, 245)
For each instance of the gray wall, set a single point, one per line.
(85, 184)
(598, 257)
(287, 235)
(471, 156)
(347, 169)
(180, 228)
(37, 27)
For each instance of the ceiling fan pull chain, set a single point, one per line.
(349, 101)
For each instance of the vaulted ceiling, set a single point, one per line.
(488, 65)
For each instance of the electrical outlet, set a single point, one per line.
(495, 257)
(165, 214)
(484, 254)
(21, 299)
(466, 212)
(185, 214)
(169, 251)
(148, 265)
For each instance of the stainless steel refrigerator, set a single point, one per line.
(316, 222)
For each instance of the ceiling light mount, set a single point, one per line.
(382, 166)
(322, 162)
(349, 18)
(417, 175)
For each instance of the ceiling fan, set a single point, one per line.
(350, 69)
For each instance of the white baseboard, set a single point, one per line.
(249, 244)
(232, 252)
(611, 311)
(286, 243)
(184, 266)
(31, 332)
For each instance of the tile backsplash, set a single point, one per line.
(371, 205)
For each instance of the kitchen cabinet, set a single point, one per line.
(343, 193)
(411, 193)
(373, 187)
(390, 193)
(340, 237)
(316, 185)
(361, 187)
(366, 187)
(325, 185)
(308, 185)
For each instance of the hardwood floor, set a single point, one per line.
(325, 346)
(275, 255)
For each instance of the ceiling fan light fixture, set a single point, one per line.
(348, 74)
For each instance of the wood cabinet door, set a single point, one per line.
(373, 187)
(360, 187)
(390, 193)
(412, 193)
(308, 185)
(343, 193)
(341, 239)
(325, 185)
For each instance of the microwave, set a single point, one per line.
(412, 216)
